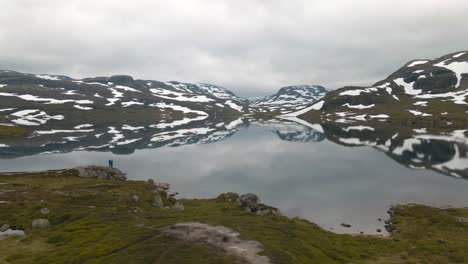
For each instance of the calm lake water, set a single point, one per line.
(327, 177)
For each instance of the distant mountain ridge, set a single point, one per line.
(39, 99)
(430, 90)
(290, 98)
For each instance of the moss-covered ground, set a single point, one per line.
(97, 221)
(10, 133)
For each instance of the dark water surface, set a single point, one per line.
(328, 177)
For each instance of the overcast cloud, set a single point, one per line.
(252, 47)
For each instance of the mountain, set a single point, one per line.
(51, 101)
(431, 91)
(289, 99)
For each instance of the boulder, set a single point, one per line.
(267, 210)
(157, 201)
(45, 211)
(249, 201)
(345, 225)
(158, 186)
(101, 172)
(11, 233)
(135, 198)
(228, 197)
(151, 182)
(40, 223)
(4, 227)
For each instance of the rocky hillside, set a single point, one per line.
(429, 90)
(290, 98)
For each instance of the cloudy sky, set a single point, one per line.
(252, 47)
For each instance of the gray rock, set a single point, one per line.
(268, 211)
(345, 225)
(135, 198)
(4, 227)
(45, 211)
(228, 197)
(12, 233)
(101, 172)
(151, 182)
(178, 207)
(157, 201)
(40, 223)
(249, 200)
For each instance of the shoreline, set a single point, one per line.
(70, 219)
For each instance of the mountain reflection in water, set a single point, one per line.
(444, 152)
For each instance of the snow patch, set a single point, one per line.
(408, 87)
(457, 67)
(359, 106)
(418, 113)
(83, 107)
(419, 62)
(360, 128)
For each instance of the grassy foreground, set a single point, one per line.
(97, 221)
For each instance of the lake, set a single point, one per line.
(324, 173)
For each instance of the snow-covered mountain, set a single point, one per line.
(429, 90)
(119, 138)
(47, 101)
(290, 98)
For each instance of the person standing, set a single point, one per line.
(111, 163)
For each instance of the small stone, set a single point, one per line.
(379, 219)
(45, 210)
(4, 227)
(178, 207)
(379, 230)
(135, 198)
(40, 223)
(345, 225)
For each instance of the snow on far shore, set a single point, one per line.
(317, 106)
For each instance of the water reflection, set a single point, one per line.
(444, 152)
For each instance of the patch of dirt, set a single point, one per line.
(221, 237)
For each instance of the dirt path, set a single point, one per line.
(221, 237)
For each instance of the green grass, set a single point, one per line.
(96, 221)
(9, 133)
